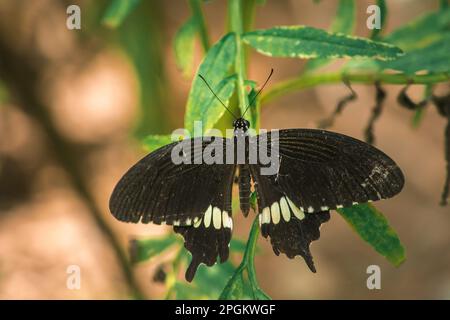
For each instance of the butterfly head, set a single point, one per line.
(241, 124)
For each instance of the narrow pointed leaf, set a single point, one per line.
(184, 46)
(154, 141)
(117, 11)
(306, 42)
(421, 32)
(214, 68)
(344, 22)
(373, 227)
(432, 59)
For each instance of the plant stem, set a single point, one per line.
(201, 24)
(236, 25)
(248, 264)
(250, 252)
(311, 80)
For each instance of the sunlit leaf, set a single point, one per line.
(306, 42)
(344, 22)
(154, 141)
(184, 46)
(202, 105)
(144, 249)
(117, 11)
(373, 227)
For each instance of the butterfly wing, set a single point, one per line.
(194, 198)
(158, 190)
(290, 230)
(321, 170)
(210, 235)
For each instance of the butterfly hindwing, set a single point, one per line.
(209, 236)
(290, 230)
(194, 198)
(321, 170)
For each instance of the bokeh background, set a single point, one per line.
(73, 105)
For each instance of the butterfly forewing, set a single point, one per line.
(321, 170)
(158, 190)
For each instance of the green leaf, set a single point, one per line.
(210, 281)
(373, 227)
(214, 68)
(432, 59)
(184, 46)
(117, 11)
(421, 32)
(383, 16)
(237, 245)
(144, 249)
(344, 22)
(306, 42)
(155, 141)
(254, 109)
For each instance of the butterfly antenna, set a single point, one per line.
(209, 87)
(254, 98)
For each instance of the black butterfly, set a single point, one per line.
(318, 171)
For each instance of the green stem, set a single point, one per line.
(236, 25)
(248, 264)
(311, 80)
(203, 31)
(249, 256)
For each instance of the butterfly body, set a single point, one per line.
(316, 171)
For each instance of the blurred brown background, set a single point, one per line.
(68, 128)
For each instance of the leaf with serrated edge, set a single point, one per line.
(306, 42)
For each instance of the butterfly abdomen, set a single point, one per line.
(244, 189)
